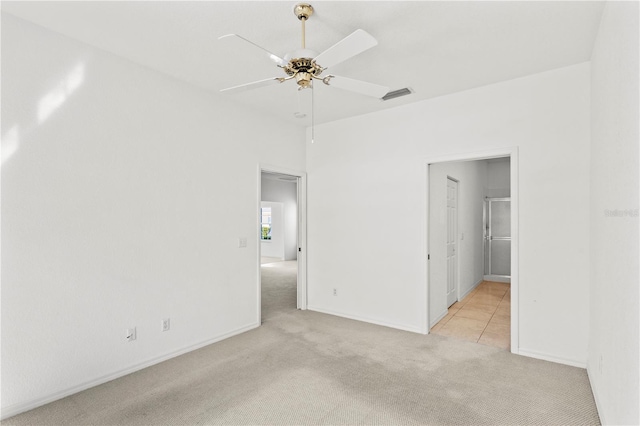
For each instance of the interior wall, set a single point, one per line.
(613, 339)
(117, 212)
(498, 178)
(275, 246)
(472, 179)
(367, 204)
(286, 193)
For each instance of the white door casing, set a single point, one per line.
(302, 241)
(452, 241)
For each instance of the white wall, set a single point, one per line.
(275, 246)
(368, 174)
(287, 194)
(117, 212)
(613, 344)
(498, 178)
(472, 179)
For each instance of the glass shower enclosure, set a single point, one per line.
(497, 239)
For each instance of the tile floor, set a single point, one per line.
(484, 316)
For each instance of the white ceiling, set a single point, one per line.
(434, 48)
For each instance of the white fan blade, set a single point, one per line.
(353, 44)
(275, 58)
(253, 85)
(359, 86)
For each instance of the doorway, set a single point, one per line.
(469, 239)
(281, 241)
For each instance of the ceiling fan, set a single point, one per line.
(305, 65)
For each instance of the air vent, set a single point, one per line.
(397, 93)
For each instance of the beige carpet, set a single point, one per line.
(307, 368)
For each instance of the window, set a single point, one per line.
(265, 214)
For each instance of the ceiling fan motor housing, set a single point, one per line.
(302, 66)
(298, 65)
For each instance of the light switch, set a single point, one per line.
(242, 242)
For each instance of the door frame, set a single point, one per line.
(301, 229)
(512, 153)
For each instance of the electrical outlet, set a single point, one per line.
(335, 291)
(242, 242)
(131, 334)
(166, 324)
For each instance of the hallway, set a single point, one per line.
(484, 316)
(279, 292)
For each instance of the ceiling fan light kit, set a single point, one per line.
(305, 65)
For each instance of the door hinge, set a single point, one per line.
(299, 248)
(428, 257)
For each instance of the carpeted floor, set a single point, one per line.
(307, 368)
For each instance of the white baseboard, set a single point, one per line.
(466, 293)
(552, 358)
(404, 327)
(16, 409)
(497, 278)
(442, 315)
(594, 391)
